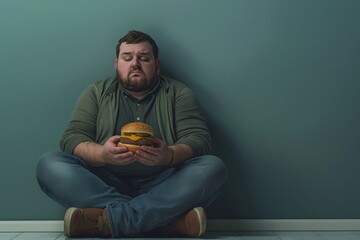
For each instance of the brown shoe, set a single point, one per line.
(192, 224)
(88, 222)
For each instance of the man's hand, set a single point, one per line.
(160, 155)
(97, 155)
(112, 154)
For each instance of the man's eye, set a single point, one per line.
(127, 58)
(145, 59)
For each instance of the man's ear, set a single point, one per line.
(157, 65)
(115, 63)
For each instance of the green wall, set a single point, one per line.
(278, 80)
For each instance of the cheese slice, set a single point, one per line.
(133, 137)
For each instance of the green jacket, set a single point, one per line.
(179, 116)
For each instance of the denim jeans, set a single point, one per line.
(134, 204)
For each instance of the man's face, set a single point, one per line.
(137, 67)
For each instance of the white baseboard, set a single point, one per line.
(31, 226)
(284, 225)
(214, 225)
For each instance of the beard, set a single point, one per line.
(135, 85)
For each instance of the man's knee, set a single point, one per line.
(210, 168)
(44, 164)
(51, 164)
(217, 168)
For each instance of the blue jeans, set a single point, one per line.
(134, 205)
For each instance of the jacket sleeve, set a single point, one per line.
(191, 125)
(82, 126)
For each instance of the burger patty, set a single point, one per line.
(141, 141)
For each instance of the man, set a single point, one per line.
(111, 191)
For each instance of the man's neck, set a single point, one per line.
(140, 95)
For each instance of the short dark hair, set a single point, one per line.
(134, 36)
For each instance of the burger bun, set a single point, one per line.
(130, 147)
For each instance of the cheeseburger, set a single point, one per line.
(136, 134)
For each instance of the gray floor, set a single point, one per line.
(336, 235)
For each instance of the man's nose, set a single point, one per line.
(135, 62)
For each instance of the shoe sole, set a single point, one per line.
(67, 219)
(202, 220)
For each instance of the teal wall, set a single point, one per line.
(278, 79)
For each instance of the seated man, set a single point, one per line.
(111, 191)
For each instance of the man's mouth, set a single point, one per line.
(135, 72)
